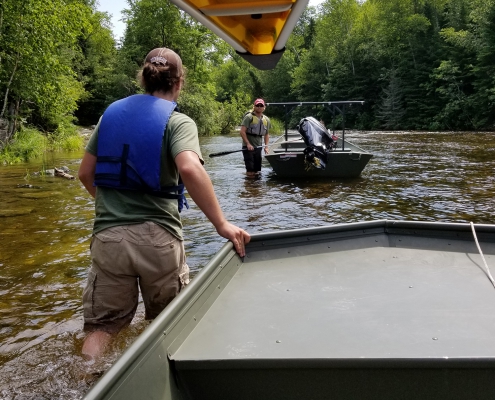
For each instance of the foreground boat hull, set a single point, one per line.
(373, 310)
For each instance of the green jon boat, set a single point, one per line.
(313, 151)
(287, 159)
(370, 310)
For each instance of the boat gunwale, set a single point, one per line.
(312, 235)
(389, 226)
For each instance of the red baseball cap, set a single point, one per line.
(258, 101)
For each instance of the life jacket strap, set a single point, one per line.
(123, 164)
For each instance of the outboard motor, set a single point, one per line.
(318, 141)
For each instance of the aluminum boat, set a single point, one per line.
(369, 310)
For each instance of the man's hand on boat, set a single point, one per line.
(200, 188)
(239, 237)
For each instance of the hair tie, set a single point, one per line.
(159, 60)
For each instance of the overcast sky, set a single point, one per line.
(115, 6)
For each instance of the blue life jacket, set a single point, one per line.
(130, 140)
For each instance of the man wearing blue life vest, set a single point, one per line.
(140, 157)
(254, 132)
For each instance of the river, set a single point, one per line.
(46, 222)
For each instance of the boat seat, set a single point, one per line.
(289, 149)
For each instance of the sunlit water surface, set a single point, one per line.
(46, 222)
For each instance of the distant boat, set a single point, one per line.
(312, 151)
(289, 160)
(257, 30)
(359, 311)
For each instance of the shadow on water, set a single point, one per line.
(46, 222)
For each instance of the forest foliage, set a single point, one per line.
(417, 65)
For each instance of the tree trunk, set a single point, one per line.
(12, 120)
(6, 97)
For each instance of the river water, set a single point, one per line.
(46, 222)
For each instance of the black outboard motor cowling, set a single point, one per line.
(318, 141)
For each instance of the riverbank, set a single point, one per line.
(30, 144)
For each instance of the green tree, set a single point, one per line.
(38, 42)
(99, 69)
(231, 79)
(391, 109)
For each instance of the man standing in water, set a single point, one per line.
(254, 130)
(140, 153)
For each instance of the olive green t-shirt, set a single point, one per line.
(254, 140)
(122, 207)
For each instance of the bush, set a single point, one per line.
(231, 113)
(200, 105)
(277, 127)
(66, 138)
(27, 144)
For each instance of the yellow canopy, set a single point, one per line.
(257, 30)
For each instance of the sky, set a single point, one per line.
(114, 7)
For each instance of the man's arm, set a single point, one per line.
(200, 188)
(87, 172)
(244, 137)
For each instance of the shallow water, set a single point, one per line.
(45, 229)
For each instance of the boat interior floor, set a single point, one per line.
(414, 304)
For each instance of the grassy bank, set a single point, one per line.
(29, 144)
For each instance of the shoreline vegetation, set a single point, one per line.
(29, 144)
(417, 66)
